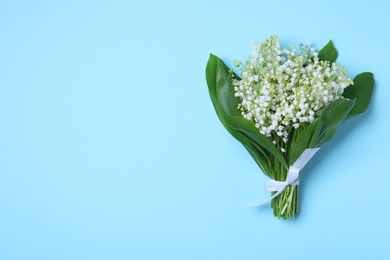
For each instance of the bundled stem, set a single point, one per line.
(285, 205)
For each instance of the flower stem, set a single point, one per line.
(286, 204)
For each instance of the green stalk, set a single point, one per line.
(286, 204)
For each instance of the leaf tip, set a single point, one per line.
(369, 74)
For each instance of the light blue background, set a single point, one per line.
(110, 147)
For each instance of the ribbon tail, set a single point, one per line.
(261, 202)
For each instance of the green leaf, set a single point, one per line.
(361, 90)
(307, 139)
(225, 93)
(249, 129)
(332, 116)
(228, 103)
(211, 77)
(328, 53)
(260, 158)
(335, 112)
(326, 136)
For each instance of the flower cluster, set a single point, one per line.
(284, 89)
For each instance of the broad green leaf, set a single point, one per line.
(306, 139)
(225, 93)
(260, 158)
(228, 102)
(335, 112)
(328, 53)
(361, 90)
(211, 77)
(249, 129)
(326, 136)
(332, 116)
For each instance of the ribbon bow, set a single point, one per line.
(292, 177)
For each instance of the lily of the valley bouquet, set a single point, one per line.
(282, 106)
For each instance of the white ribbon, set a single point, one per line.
(292, 177)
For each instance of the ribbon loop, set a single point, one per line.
(291, 179)
(272, 185)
